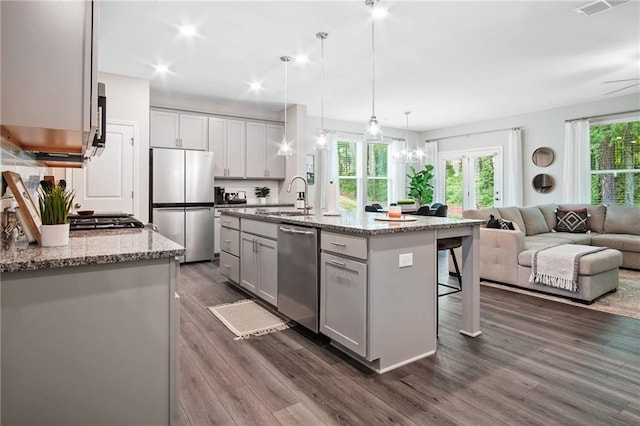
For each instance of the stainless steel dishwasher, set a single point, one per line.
(298, 291)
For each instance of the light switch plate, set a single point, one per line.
(405, 259)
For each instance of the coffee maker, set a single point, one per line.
(219, 194)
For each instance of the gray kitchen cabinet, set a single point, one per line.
(49, 69)
(343, 302)
(259, 259)
(263, 140)
(176, 130)
(230, 248)
(227, 139)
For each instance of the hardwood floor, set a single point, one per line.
(537, 362)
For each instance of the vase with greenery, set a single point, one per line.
(420, 186)
(262, 192)
(55, 204)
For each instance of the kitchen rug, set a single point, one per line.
(246, 318)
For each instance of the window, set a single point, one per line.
(359, 185)
(615, 163)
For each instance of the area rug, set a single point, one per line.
(624, 302)
(247, 318)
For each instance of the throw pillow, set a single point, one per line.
(499, 223)
(572, 220)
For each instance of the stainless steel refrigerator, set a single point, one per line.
(182, 199)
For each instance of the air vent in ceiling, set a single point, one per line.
(599, 6)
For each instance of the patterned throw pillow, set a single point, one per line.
(572, 220)
(499, 223)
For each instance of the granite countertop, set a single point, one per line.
(233, 206)
(364, 224)
(92, 247)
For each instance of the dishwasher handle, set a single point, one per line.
(295, 231)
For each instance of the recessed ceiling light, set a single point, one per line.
(161, 68)
(187, 30)
(255, 85)
(302, 59)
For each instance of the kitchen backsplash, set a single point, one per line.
(249, 187)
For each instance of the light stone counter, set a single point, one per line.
(363, 224)
(92, 247)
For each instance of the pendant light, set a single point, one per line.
(373, 133)
(322, 141)
(285, 146)
(410, 156)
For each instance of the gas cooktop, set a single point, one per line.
(103, 221)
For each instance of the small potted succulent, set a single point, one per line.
(262, 192)
(55, 204)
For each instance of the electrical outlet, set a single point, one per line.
(405, 260)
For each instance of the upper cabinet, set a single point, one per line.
(264, 161)
(176, 130)
(227, 140)
(49, 60)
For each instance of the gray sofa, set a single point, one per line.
(505, 256)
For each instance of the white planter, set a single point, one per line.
(262, 200)
(54, 235)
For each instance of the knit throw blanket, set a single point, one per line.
(557, 266)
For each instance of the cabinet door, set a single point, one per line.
(235, 144)
(275, 162)
(256, 150)
(268, 258)
(343, 302)
(164, 129)
(217, 143)
(193, 132)
(229, 267)
(249, 264)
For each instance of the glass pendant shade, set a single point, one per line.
(373, 133)
(322, 141)
(285, 147)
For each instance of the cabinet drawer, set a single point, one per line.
(230, 241)
(256, 227)
(230, 267)
(347, 245)
(229, 221)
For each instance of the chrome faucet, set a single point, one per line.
(306, 189)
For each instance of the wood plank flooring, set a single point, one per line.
(537, 362)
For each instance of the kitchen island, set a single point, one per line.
(89, 330)
(378, 281)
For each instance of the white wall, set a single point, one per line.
(128, 101)
(542, 128)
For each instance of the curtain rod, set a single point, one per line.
(602, 115)
(474, 133)
(360, 134)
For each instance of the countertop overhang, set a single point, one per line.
(353, 223)
(92, 247)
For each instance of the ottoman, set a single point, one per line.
(597, 275)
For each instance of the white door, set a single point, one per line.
(471, 179)
(105, 184)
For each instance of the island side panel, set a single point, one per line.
(402, 301)
(88, 344)
(471, 283)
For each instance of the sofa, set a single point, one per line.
(505, 255)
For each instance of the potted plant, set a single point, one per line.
(262, 192)
(420, 186)
(55, 204)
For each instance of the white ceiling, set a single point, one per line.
(448, 62)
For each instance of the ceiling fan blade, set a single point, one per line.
(624, 88)
(620, 81)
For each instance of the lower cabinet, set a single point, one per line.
(343, 302)
(259, 266)
(230, 266)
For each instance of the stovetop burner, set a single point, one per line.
(103, 221)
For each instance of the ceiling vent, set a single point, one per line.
(599, 6)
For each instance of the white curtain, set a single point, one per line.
(513, 193)
(431, 157)
(397, 173)
(576, 179)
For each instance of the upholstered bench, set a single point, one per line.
(597, 275)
